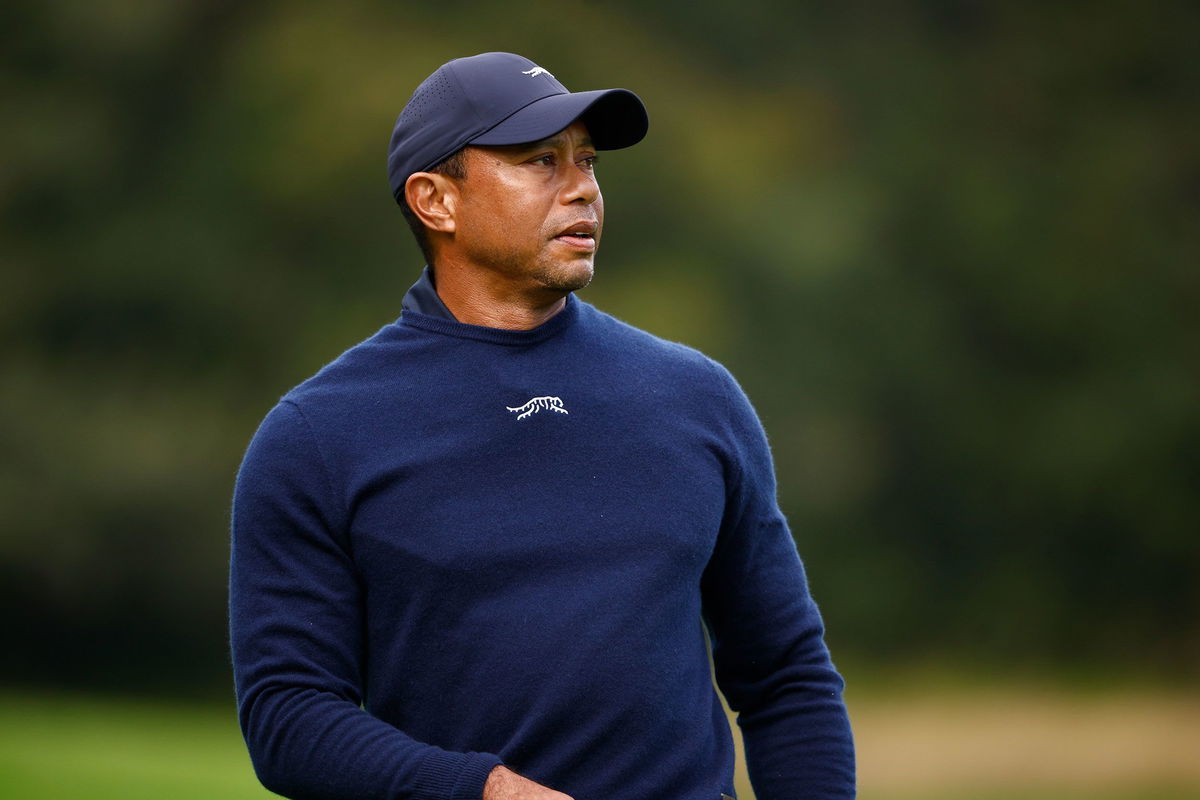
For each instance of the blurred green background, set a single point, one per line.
(951, 250)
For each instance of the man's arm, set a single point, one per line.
(768, 638)
(296, 626)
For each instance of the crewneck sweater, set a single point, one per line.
(458, 546)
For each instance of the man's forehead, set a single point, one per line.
(576, 130)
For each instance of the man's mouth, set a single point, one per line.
(581, 236)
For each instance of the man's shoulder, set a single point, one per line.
(691, 374)
(356, 375)
(637, 343)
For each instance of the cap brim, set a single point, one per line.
(615, 118)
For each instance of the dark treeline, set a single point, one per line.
(950, 249)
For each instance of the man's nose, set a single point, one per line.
(581, 185)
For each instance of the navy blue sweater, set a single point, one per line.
(459, 546)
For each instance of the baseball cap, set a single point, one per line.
(502, 98)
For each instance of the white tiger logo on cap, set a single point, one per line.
(533, 73)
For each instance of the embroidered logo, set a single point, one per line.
(537, 404)
(533, 73)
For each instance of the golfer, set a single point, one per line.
(487, 552)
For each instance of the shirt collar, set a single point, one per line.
(423, 298)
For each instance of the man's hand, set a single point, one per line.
(504, 784)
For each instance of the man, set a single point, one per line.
(477, 555)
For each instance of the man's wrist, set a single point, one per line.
(497, 783)
(504, 784)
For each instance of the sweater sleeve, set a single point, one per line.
(769, 652)
(297, 637)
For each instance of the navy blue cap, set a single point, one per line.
(502, 98)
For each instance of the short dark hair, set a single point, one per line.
(453, 166)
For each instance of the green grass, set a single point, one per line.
(62, 747)
(1145, 793)
(68, 747)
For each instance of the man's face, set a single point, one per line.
(532, 213)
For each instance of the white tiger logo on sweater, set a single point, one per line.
(537, 404)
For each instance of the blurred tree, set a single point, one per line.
(949, 248)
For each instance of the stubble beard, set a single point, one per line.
(572, 274)
(564, 278)
(544, 267)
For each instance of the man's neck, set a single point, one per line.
(495, 303)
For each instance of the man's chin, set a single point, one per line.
(570, 278)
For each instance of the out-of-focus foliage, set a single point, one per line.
(950, 249)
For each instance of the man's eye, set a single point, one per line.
(588, 163)
(545, 161)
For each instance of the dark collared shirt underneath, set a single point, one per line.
(423, 298)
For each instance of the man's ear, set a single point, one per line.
(433, 198)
